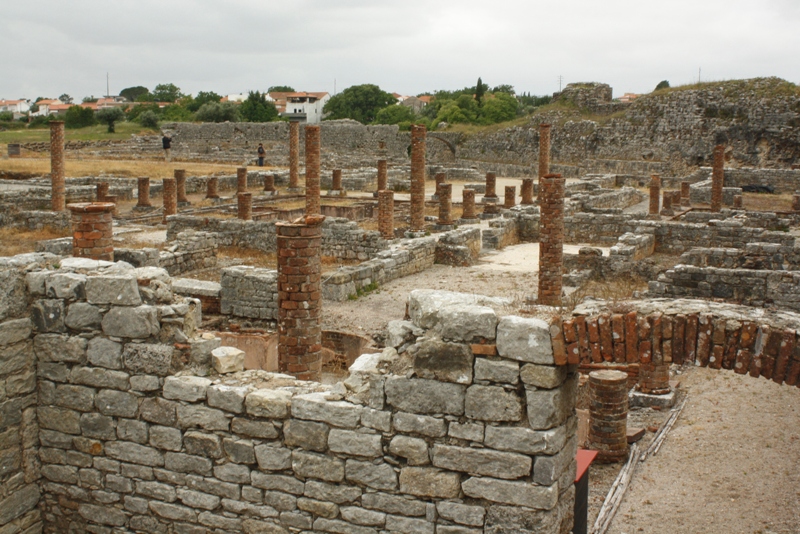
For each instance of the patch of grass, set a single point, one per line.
(15, 241)
(124, 130)
(362, 291)
(249, 256)
(612, 291)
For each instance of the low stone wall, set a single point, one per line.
(754, 219)
(677, 237)
(598, 227)
(191, 251)
(249, 292)
(632, 247)
(501, 233)
(34, 220)
(700, 193)
(459, 248)
(782, 180)
(622, 198)
(344, 239)
(258, 235)
(760, 256)
(706, 334)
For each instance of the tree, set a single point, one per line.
(65, 98)
(89, 99)
(505, 88)
(280, 89)
(480, 90)
(176, 113)
(167, 92)
(133, 93)
(79, 117)
(149, 119)
(136, 110)
(359, 102)
(218, 112)
(110, 116)
(203, 97)
(394, 115)
(6, 116)
(500, 108)
(663, 84)
(256, 108)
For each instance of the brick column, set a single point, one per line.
(336, 180)
(170, 198)
(445, 203)
(544, 150)
(294, 154)
(666, 204)
(527, 191)
(717, 178)
(468, 204)
(737, 201)
(676, 199)
(551, 238)
(211, 187)
(382, 174)
(300, 298)
(244, 206)
(312, 170)
(58, 193)
(418, 135)
(386, 213)
(608, 415)
(143, 185)
(796, 201)
(439, 178)
(180, 184)
(491, 186)
(686, 200)
(101, 191)
(269, 183)
(654, 378)
(510, 199)
(655, 193)
(92, 230)
(241, 180)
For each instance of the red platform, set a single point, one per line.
(584, 457)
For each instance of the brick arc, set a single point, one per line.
(551, 239)
(58, 195)
(717, 178)
(386, 213)
(92, 230)
(143, 184)
(608, 415)
(294, 154)
(418, 135)
(312, 170)
(300, 298)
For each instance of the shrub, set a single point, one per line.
(149, 119)
(110, 116)
(79, 117)
(217, 112)
(6, 116)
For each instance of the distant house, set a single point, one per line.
(627, 98)
(415, 103)
(300, 106)
(17, 107)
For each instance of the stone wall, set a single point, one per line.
(700, 193)
(769, 256)
(782, 180)
(603, 199)
(459, 248)
(249, 292)
(501, 233)
(344, 239)
(35, 220)
(677, 238)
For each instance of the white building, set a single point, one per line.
(17, 107)
(300, 106)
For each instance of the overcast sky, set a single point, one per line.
(52, 47)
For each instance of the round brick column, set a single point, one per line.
(386, 214)
(439, 178)
(180, 184)
(796, 201)
(336, 180)
(544, 150)
(300, 298)
(551, 238)
(654, 378)
(608, 415)
(655, 193)
(468, 204)
(294, 154)
(92, 230)
(170, 198)
(143, 184)
(510, 199)
(58, 195)
(717, 178)
(382, 174)
(491, 186)
(686, 200)
(241, 180)
(418, 135)
(527, 191)
(676, 199)
(212, 186)
(737, 201)
(666, 204)
(312, 170)
(101, 191)
(445, 203)
(269, 183)
(244, 206)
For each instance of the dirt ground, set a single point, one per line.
(729, 465)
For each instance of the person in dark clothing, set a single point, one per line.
(261, 154)
(166, 143)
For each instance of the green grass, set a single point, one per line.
(91, 133)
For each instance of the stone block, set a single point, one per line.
(380, 476)
(466, 431)
(186, 463)
(548, 469)
(419, 424)
(425, 396)
(145, 383)
(146, 358)
(203, 417)
(14, 331)
(446, 362)
(481, 461)
(202, 444)
(253, 429)
(159, 411)
(502, 371)
(138, 322)
(272, 458)
(105, 515)
(196, 499)
(524, 339)
(492, 403)
(360, 516)
(134, 453)
(60, 348)
(525, 440)
(269, 403)
(100, 378)
(315, 407)
(83, 316)
(355, 443)
(394, 504)
(236, 473)
(306, 434)
(59, 419)
(102, 352)
(517, 493)
(227, 360)
(409, 525)
(228, 398)
(48, 315)
(466, 323)
(284, 483)
(400, 332)
(116, 403)
(98, 426)
(543, 376)
(167, 438)
(336, 493)
(414, 450)
(309, 464)
(121, 290)
(239, 450)
(132, 430)
(461, 513)
(76, 397)
(430, 482)
(186, 388)
(548, 408)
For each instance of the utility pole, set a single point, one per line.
(699, 71)
(560, 79)
(334, 86)
(108, 90)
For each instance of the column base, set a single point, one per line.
(143, 208)
(296, 190)
(337, 193)
(469, 221)
(442, 227)
(270, 193)
(648, 400)
(415, 234)
(490, 200)
(652, 217)
(185, 204)
(485, 216)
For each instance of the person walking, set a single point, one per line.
(261, 154)
(166, 143)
